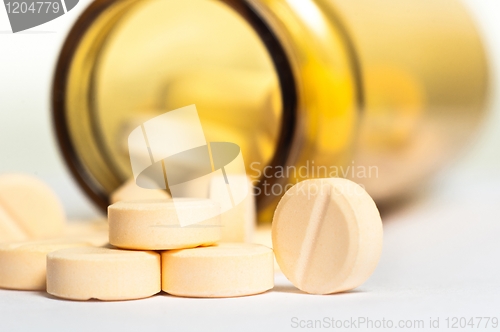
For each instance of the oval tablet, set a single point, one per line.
(10, 229)
(23, 265)
(154, 224)
(238, 221)
(130, 191)
(327, 235)
(29, 209)
(224, 270)
(103, 274)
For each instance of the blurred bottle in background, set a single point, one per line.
(384, 93)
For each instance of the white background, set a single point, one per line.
(441, 253)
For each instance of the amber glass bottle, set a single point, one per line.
(384, 92)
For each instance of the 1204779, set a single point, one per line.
(471, 322)
(33, 7)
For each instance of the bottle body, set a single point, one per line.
(390, 92)
(381, 94)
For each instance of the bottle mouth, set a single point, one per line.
(124, 62)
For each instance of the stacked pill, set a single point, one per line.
(326, 234)
(28, 209)
(32, 225)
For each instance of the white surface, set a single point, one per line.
(440, 255)
(440, 259)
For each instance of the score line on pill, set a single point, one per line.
(29, 209)
(327, 235)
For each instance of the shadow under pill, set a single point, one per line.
(52, 297)
(287, 289)
(293, 290)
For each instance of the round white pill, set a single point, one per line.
(224, 270)
(327, 235)
(155, 225)
(103, 274)
(23, 264)
(10, 229)
(29, 209)
(238, 219)
(130, 191)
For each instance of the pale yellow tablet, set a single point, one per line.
(238, 219)
(130, 191)
(224, 270)
(23, 264)
(157, 224)
(10, 229)
(29, 209)
(103, 274)
(327, 235)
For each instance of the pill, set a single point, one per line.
(23, 264)
(130, 191)
(9, 228)
(103, 274)
(238, 221)
(327, 235)
(29, 209)
(155, 225)
(224, 270)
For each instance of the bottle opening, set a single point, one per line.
(126, 62)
